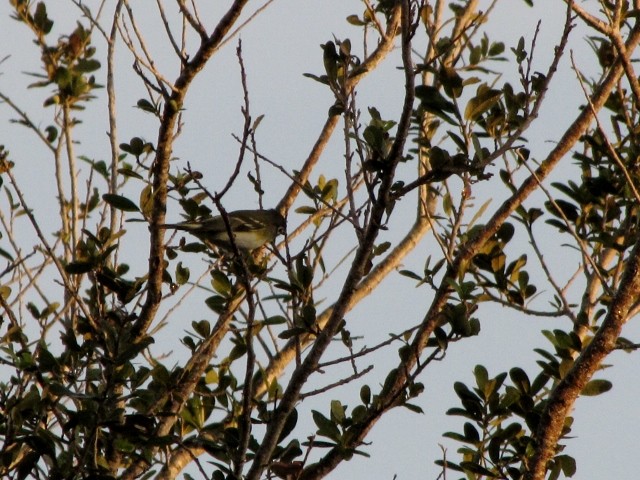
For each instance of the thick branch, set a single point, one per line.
(379, 272)
(567, 391)
(160, 169)
(357, 271)
(469, 250)
(384, 47)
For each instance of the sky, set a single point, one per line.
(278, 47)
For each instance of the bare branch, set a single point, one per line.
(193, 20)
(565, 394)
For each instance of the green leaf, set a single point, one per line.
(216, 303)
(410, 274)
(320, 79)
(355, 20)
(182, 274)
(136, 146)
(460, 143)
(304, 273)
(380, 249)
(482, 376)
(77, 268)
(292, 332)
(146, 201)
(211, 377)
(413, 408)
(145, 105)
(51, 308)
(123, 445)
(458, 437)
(337, 411)
(433, 101)
(330, 191)
(5, 292)
(238, 351)
(202, 328)
(52, 133)
(306, 210)
(569, 210)
(345, 48)
(567, 464)
(6, 254)
(477, 469)
(336, 109)
(99, 166)
(120, 203)
(464, 393)
(289, 425)
(475, 56)
(505, 232)
(128, 172)
(41, 20)
(326, 428)
(331, 59)
(365, 394)
(496, 49)
(520, 379)
(596, 387)
(451, 82)
(87, 65)
(359, 414)
(275, 320)
(483, 101)
(471, 435)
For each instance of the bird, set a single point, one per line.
(251, 229)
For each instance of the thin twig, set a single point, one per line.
(336, 384)
(69, 286)
(192, 20)
(26, 120)
(240, 27)
(167, 29)
(246, 129)
(612, 151)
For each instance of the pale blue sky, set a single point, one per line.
(279, 47)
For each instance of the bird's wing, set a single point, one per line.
(241, 224)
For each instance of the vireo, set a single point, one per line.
(251, 228)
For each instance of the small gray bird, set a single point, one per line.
(251, 228)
